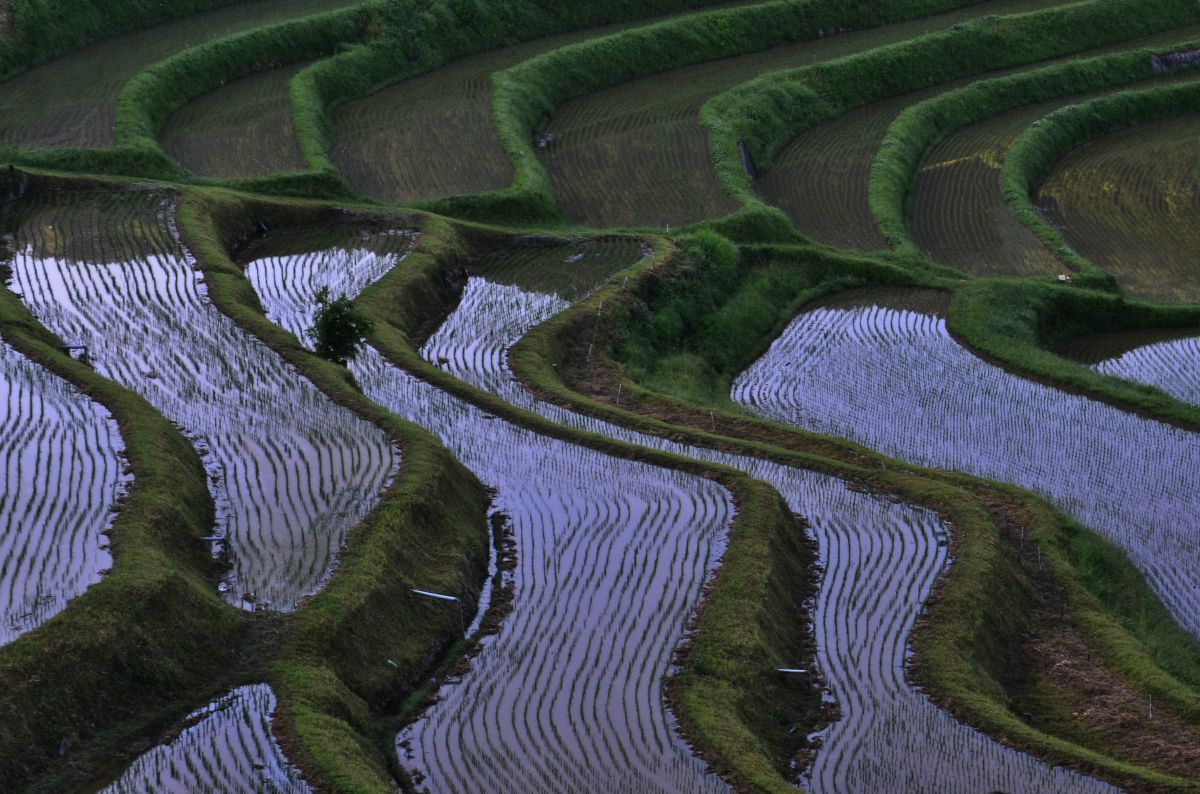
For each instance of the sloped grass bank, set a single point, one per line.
(147, 642)
(1035, 153)
(894, 169)
(362, 644)
(975, 640)
(765, 113)
(753, 617)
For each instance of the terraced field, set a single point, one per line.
(713, 592)
(1127, 202)
(242, 129)
(62, 476)
(636, 154)
(290, 471)
(959, 216)
(924, 400)
(71, 100)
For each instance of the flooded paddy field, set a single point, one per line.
(1127, 202)
(242, 129)
(72, 99)
(636, 154)
(611, 558)
(227, 746)
(958, 214)
(516, 721)
(887, 374)
(62, 476)
(290, 471)
(1168, 360)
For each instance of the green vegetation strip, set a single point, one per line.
(918, 128)
(765, 113)
(1034, 154)
(528, 92)
(978, 614)
(365, 640)
(149, 641)
(417, 37)
(34, 30)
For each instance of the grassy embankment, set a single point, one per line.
(1097, 593)
(357, 648)
(148, 642)
(763, 114)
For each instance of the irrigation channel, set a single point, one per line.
(227, 747)
(612, 555)
(290, 471)
(1127, 202)
(1167, 360)
(62, 475)
(636, 154)
(879, 370)
(72, 100)
(959, 217)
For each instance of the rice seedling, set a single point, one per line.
(71, 100)
(1165, 359)
(1126, 202)
(895, 380)
(958, 214)
(227, 746)
(290, 471)
(61, 478)
(242, 129)
(611, 558)
(540, 687)
(636, 154)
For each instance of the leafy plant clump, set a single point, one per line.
(338, 328)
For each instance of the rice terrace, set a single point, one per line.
(608, 396)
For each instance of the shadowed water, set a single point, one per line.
(61, 476)
(226, 749)
(895, 380)
(515, 721)
(290, 471)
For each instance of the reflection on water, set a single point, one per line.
(227, 748)
(567, 697)
(61, 475)
(290, 471)
(896, 381)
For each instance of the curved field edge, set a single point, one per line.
(416, 37)
(755, 601)
(918, 128)
(365, 642)
(149, 98)
(526, 94)
(764, 114)
(1043, 144)
(34, 31)
(979, 610)
(147, 642)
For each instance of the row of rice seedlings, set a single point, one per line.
(958, 213)
(227, 747)
(62, 475)
(290, 471)
(636, 154)
(894, 380)
(242, 129)
(71, 100)
(1166, 359)
(567, 268)
(612, 556)
(1128, 203)
(880, 559)
(394, 144)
